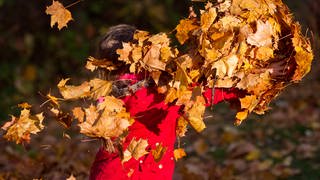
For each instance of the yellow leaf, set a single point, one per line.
(78, 114)
(73, 92)
(181, 127)
(242, 115)
(195, 114)
(124, 53)
(184, 28)
(24, 105)
(207, 18)
(249, 102)
(59, 14)
(93, 64)
(158, 152)
(179, 153)
(53, 99)
(136, 149)
(99, 88)
(19, 129)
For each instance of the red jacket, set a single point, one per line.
(156, 122)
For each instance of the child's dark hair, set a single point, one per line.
(113, 40)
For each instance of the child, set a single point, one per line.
(154, 119)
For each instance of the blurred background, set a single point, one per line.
(283, 144)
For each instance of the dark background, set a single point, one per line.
(33, 57)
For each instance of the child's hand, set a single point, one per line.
(279, 70)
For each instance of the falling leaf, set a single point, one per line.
(181, 127)
(62, 117)
(207, 18)
(263, 35)
(195, 114)
(73, 92)
(19, 129)
(184, 28)
(93, 64)
(100, 88)
(78, 114)
(179, 153)
(136, 149)
(158, 152)
(124, 53)
(59, 14)
(24, 105)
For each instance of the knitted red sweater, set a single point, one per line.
(156, 122)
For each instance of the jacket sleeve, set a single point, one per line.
(221, 94)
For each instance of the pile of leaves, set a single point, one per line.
(232, 44)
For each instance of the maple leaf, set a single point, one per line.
(158, 152)
(179, 153)
(263, 35)
(184, 28)
(195, 114)
(19, 129)
(136, 149)
(73, 92)
(109, 120)
(59, 14)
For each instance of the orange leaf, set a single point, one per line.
(59, 14)
(179, 153)
(158, 152)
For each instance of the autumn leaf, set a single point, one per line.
(78, 114)
(93, 64)
(24, 105)
(194, 115)
(136, 149)
(184, 28)
(62, 117)
(207, 18)
(263, 35)
(20, 128)
(181, 127)
(100, 88)
(158, 152)
(59, 14)
(179, 153)
(73, 92)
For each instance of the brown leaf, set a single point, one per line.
(158, 152)
(181, 127)
(59, 14)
